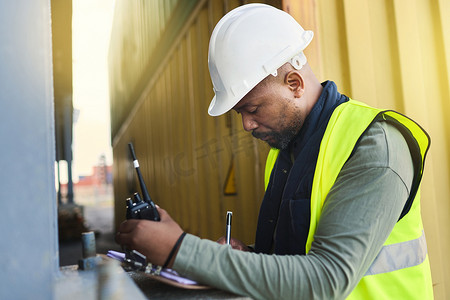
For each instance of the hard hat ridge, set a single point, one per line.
(248, 44)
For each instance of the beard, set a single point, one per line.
(281, 139)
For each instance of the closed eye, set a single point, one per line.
(252, 110)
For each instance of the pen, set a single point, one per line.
(228, 228)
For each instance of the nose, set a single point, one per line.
(248, 122)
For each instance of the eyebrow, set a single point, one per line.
(242, 106)
(238, 108)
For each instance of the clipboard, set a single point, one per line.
(193, 286)
(167, 276)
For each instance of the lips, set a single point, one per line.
(262, 136)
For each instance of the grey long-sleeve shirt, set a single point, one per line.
(358, 215)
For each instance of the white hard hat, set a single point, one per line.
(249, 43)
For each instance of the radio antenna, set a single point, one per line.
(142, 183)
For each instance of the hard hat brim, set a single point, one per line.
(217, 108)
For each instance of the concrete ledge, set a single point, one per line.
(76, 284)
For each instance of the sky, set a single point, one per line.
(91, 29)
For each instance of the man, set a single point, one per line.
(340, 216)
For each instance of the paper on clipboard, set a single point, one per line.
(166, 275)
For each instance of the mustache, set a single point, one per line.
(260, 135)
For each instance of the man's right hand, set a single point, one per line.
(235, 244)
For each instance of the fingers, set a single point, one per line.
(130, 229)
(122, 239)
(128, 226)
(221, 240)
(162, 213)
(153, 239)
(124, 234)
(235, 244)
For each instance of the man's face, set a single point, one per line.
(272, 113)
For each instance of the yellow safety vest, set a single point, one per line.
(401, 270)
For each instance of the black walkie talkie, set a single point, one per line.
(138, 208)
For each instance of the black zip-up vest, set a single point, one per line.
(284, 217)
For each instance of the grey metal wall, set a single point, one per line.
(28, 229)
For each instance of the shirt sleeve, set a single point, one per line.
(358, 215)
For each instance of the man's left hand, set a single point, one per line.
(153, 239)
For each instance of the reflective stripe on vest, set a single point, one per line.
(270, 163)
(399, 256)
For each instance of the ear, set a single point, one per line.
(295, 82)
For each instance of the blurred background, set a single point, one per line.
(84, 187)
(81, 79)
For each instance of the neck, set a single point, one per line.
(313, 87)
